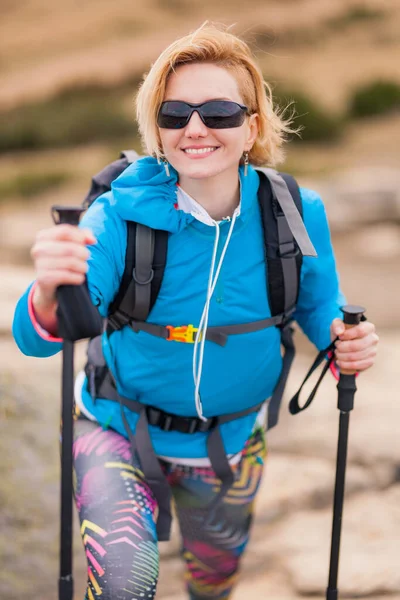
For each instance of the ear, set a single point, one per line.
(252, 128)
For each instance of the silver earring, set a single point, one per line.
(246, 162)
(166, 167)
(165, 163)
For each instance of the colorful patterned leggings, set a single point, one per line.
(117, 514)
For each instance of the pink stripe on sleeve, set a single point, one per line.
(45, 335)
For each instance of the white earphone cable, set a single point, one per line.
(202, 329)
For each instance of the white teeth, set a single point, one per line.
(199, 150)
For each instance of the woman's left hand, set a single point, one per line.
(357, 346)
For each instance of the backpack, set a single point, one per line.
(146, 257)
(285, 241)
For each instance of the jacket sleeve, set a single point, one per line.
(320, 297)
(106, 266)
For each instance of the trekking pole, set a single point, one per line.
(77, 319)
(346, 392)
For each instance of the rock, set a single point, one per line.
(369, 551)
(360, 196)
(382, 241)
(293, 482)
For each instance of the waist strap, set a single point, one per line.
(142, 446)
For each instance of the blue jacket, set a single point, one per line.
(159, 373)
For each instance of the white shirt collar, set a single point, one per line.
(191, 206)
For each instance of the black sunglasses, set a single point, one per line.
(215, 114)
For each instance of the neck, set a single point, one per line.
(219, 195)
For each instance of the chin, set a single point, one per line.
(202, 171)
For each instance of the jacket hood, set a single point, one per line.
(146, 194)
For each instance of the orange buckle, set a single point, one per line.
(184, 333)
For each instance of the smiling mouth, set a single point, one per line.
(199, 151)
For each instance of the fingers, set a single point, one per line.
(46, 248)
(60, 256)
(358, 331)
(356, 345)
(367, 353)
(67, 233)
(356, 348)
(65, 263)
(356, 365)
(337, 328)
(50, 280)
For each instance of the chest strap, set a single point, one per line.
(218, 334)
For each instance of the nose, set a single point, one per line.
(195, 128)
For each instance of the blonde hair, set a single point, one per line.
(214, 44)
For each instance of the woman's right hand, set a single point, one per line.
(60, 257)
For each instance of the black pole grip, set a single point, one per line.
(352, 314)
(77, 317)
(69, 215)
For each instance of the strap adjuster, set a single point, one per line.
(148, 280)
(288, 250)
(184, 333)
(117, 320)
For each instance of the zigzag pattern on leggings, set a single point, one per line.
(117, 514)
(128, 545)
(212, 552)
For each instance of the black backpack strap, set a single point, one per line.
(282, 195)
(142, 273)
(141, 280)
(283, 258)
(281, 209)
(291, 257)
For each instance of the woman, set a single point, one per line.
(198, 185)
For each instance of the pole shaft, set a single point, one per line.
(338, 501)
(65, 582)
(352, 315)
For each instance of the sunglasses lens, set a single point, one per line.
(216, 114)
(223, 114)
(173, 115)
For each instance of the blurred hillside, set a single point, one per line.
(69, 72)
(321, 46)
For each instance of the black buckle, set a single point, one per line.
(287, 319)
(167, 422)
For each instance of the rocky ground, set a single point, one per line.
(289, 552)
